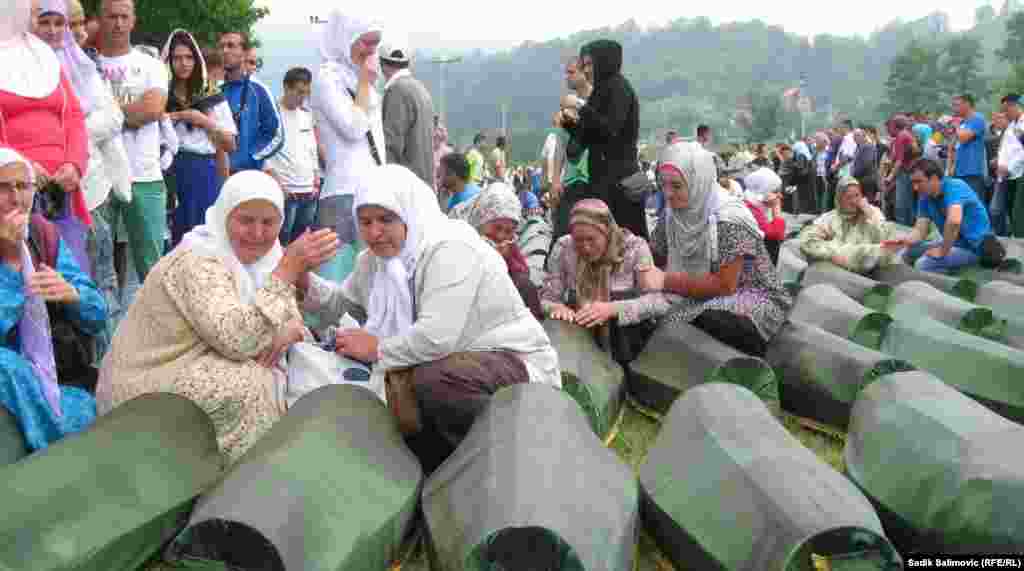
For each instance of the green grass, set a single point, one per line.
(635, 432)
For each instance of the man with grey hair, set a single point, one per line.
(139, 83)
(408, 113)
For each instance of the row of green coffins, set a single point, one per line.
(333, 487)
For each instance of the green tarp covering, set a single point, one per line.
(899, 273)
(821, 374)
(952, 311)
(988, 371)
(107, 499)
(331, 487)
(680, 356)
(1008, 301)
(727, 487)
(862, 289)
(1010, 272)
(792, 264)
(532, 488)
(947, 473)
(825, 306)
(12, 442)
(589, 374)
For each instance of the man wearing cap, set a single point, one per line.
(408, 114)
(1010, 163)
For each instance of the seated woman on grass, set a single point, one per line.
(444, 325)
(851, 235)
(719, 274)
(598, 272)
(497, 215)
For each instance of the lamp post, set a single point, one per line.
(442, 61)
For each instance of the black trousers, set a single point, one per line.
(737, 331)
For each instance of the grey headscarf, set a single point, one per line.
(692, 232)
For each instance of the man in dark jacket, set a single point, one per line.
(408, 113)
(608, 126)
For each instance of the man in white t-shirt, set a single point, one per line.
(139, 83)
(296, 167)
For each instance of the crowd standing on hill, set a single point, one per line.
(256, 224)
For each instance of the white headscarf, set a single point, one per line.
(79, 68)
(211, 239)
(344, 26)
(30, 68)
(692, 232)
(760, 183)
(396, 188)
(498, 201)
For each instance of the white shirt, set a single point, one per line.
(297, 163)
(1011, 151)
(343, 128)
(197, 140)
(848, 148)
(130, 76)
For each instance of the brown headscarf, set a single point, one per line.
(593, 277)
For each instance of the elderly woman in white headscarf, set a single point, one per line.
(497, 214)
(108, 167)
(437, 300)
(347, 109)
(36, 271)
(215, 316)
(850, 236)
(719, 275)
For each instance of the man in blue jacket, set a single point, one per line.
(260, 132)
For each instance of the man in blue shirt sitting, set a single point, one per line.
(956, 209)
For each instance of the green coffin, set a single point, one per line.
(108, 498)
(792, 264)
(725, 486)
(1010, 272)
(821, 374)
(12, 442)
(899, 273)
(825, 306)
(859, 288)
(985, 370)
(331, 487)
(589, 374)
(946, 472)
(1008, 301)
(532, 488)
(680, 356)
(945, 308)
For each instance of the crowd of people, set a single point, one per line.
(339, 202)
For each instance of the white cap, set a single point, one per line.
(394, 49)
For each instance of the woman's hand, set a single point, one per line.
(51, 286)
(305, 253)
(13, 226)
(570, 101)
(653, 280)
(289, 334)
(561, 312)
(596, 313)
(369, 69)
(357, 344)
(193, 117)
(67, 177)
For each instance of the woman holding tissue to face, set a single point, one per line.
(444, 323)
(215, 316)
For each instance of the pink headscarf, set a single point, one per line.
(77, 65)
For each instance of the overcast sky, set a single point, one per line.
(465, 24)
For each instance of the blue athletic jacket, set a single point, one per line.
(260, 132)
